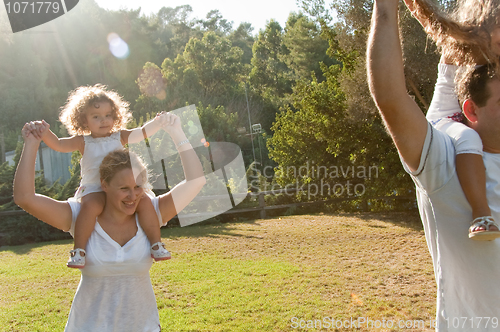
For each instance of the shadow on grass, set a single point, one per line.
(208, 229)
(406, 219)
(410, 219)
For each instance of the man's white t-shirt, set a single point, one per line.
(115, 292)
(466, 271)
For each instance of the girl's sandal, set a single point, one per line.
(486, 234)
(161, 253)
(76, 260)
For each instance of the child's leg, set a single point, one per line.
(91, 206)
(151, 226)
(472, 176)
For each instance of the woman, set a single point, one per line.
(115, 291)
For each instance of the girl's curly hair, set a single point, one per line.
(463, 34)
(72, 114)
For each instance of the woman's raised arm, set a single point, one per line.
(48, 210)
(182, 194)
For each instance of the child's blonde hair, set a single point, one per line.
(73, 112)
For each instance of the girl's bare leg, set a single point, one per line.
(151, 226)
(92, 205)
(472, 175)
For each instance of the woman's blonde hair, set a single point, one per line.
(121, 159)
(73, 112)
(464, 33)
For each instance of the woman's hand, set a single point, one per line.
(50, 211)
(31, 131)
(171, 123)
(37, 129)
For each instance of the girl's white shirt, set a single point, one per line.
(94, 152)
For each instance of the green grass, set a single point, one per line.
(249, 276)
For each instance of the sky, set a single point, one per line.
(256, 12)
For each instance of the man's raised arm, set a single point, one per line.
(402, 116)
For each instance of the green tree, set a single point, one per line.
(242, 37)
(176, 29)
(307, 48)
(216, 63)
(269, 73)
(322, 121)
(218, 124)
(216, 23)
(347, 37)
(209, 70)
(337, 116)
(270, 79)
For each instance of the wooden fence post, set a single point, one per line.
(262, 205)
(2, 146)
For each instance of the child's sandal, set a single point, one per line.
(161, 253)
(486, 234)
(76, 260)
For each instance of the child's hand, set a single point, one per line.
(37, 129)
(42, 128)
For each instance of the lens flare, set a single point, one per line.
(205, 143)
(193, 129)
(118, 46)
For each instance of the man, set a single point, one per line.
(467, 272)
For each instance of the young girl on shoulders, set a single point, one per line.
(469, 36)
(97, 118)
